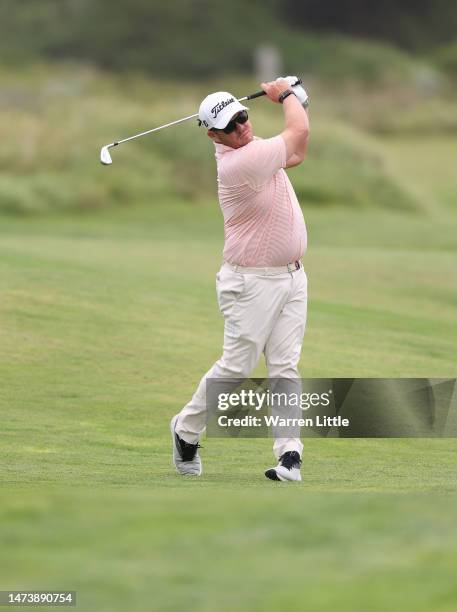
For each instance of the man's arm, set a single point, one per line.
(295, 160)
(296, 129)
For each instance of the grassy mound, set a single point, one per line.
(344, 167)
(58, 117)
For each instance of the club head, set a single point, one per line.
(105, 156)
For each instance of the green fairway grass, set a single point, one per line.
(432, 167)
(108, 321)
(157, 549)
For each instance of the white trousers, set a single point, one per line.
(263, 313)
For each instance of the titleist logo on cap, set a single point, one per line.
(220, 105)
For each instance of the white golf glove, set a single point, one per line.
(298, 90)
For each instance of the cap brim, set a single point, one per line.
(227, 114)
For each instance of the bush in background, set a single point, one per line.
(446, 58)
(188, 39)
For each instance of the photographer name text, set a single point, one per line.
(278, 421)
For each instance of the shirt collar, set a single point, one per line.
(222, 149)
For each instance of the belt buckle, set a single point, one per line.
(295, 264)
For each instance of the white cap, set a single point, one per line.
(218, 108)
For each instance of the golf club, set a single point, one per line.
(105, 156)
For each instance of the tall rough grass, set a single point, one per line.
(55, 118)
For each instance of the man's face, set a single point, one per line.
(241, 135)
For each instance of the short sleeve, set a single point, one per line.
(261, 159)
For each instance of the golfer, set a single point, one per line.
(261, 286)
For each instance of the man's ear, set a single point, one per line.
(211, 134)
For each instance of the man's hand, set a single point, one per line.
(298, 90)
(274, 89)
(296, 130)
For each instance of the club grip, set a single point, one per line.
(257, 94)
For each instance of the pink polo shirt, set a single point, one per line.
(263, 221)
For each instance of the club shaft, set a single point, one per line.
(257, 94)
(162, 127)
